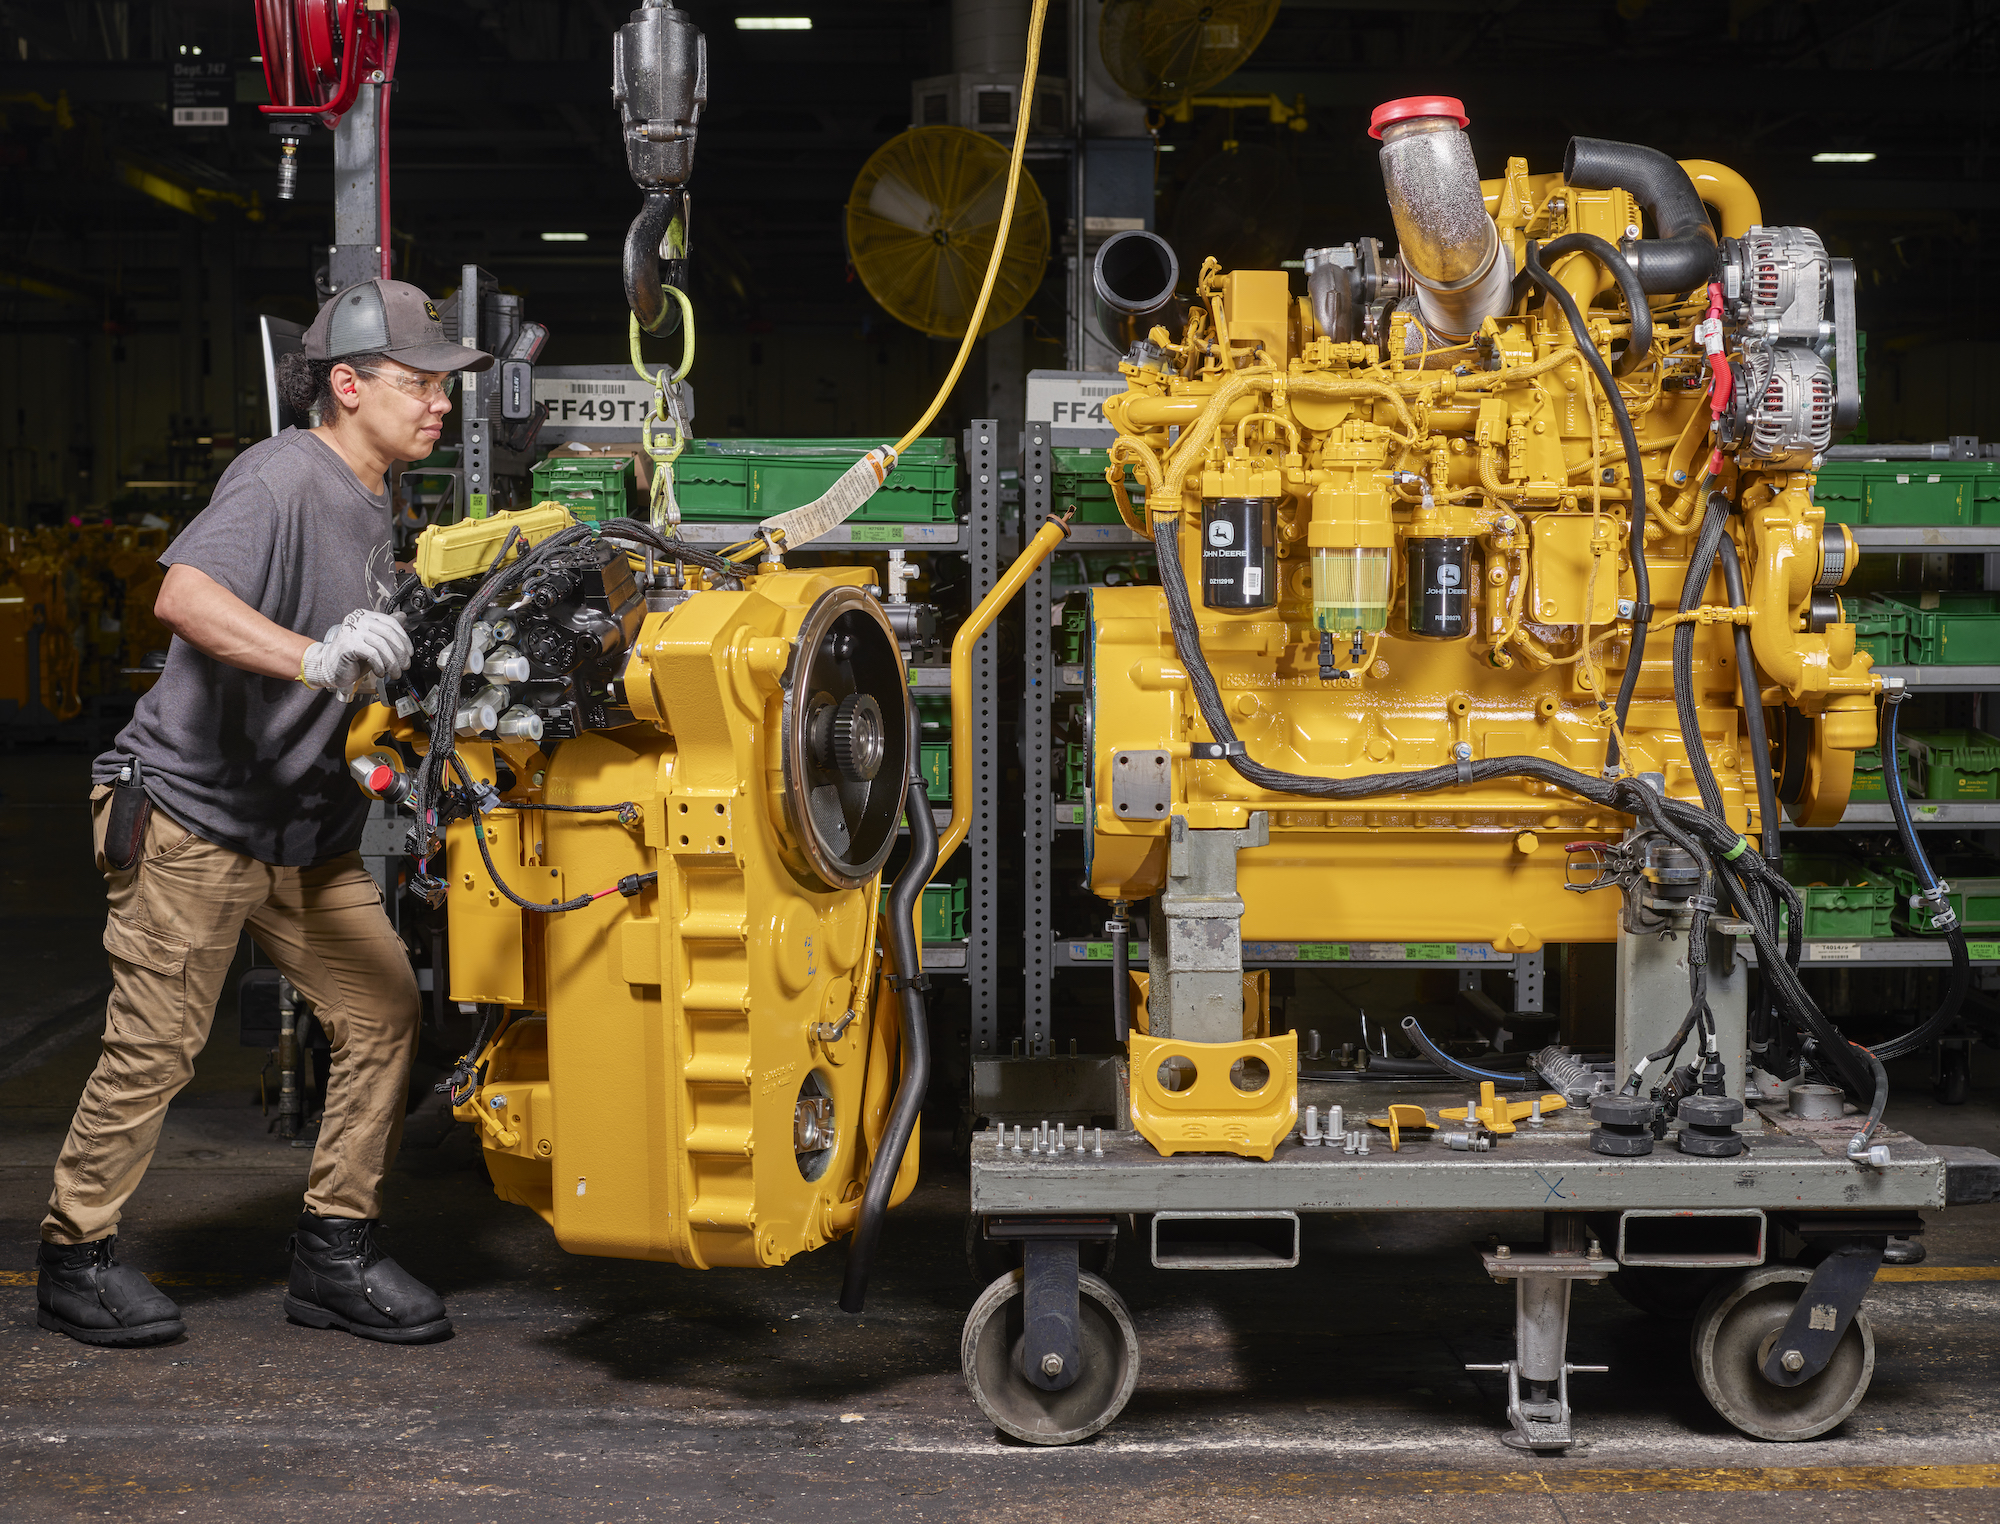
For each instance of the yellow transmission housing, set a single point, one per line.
(1498, 459)
(699, 1072)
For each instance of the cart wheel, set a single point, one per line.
(1733, 1333)
(1663, 1293)
(990, 1352)
(987, 1258)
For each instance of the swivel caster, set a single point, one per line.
(1107, 1349)
(1734, 1333)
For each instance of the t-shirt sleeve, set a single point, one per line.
(234, 539)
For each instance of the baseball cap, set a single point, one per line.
(388, 317)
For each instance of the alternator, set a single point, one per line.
(1778, 285)
(1791, 418)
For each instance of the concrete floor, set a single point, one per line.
(581, 1389)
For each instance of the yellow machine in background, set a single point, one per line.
(1403, 506)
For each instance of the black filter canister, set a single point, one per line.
(1439, 588)
(1238, 560)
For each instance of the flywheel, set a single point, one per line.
(846, 738)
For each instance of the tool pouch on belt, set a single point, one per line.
(125, 825)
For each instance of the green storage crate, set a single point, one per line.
(1870, 786)
(944, 911)
(1950, 629)
(593, 488)
(1974, 883)
(1079, 480)
(1909, 491)
(934, 757)
(1073, 765)
(1843, 898)
(933, 716)
(748, 480)
(1880, 631)
(1954, 764)
(1073, 634)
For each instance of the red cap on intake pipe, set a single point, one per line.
(1416, 105)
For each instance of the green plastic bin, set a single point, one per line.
(1079, 479)
(592, 488)
(1878, 630)
(934, 757)
(1073, 766)
(944, 911)
(1954, 764)
(1073, 634)
(1843, 899)
(748, 480)
(1909, 491)
(933, 716)
(1974, 892)
(1950, 629)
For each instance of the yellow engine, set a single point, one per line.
(701, 1038)
(1401, 537)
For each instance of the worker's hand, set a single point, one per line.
(362, 647)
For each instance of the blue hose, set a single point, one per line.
(1457, 1067)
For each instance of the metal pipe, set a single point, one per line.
(1120, 929)
(1447, 243)
(1051, 534)
(1133, 280)
(1728, 192)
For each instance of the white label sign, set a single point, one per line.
(1835, 952)
(619, 403)
(1072, 399)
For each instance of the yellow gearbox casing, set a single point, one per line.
(642, 1097)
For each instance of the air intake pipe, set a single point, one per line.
(1683, 254)
(1449, 246)
(1133, 280)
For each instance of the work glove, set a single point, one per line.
(363, 647)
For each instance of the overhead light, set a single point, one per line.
(197, 52)
(774, 23)
(565, 238)
(1843, 158)
(256, 58)
(1166, 147)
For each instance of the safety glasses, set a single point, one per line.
(413, 385)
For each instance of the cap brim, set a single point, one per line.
(441, 357)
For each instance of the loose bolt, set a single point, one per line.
(1309, 1134)
(1362, 1147)
(1535, 1115)
(1017, 1137)
(1353, 1142)
(1097, 1149)
(1336, 1123)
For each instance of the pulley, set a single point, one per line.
(846, 738)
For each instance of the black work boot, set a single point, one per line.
(84, 1292)
(342, 1279)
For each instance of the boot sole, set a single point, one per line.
(114, 1338)
(318, 1317)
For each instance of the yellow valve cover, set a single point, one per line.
(1210, 1112)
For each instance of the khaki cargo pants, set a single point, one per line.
(175, 919)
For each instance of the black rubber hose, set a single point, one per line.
(1701, 566)
(1683, 256)
(1638, 347)
(1120, 929)
(888, 1161)
(1880, 1102)
(1635, 470)
(1961, 962)
(1752, 688)
(1456, 1068)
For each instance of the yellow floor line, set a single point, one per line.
(1938, 1273)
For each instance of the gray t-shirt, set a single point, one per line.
(258, 764)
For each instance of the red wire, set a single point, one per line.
(392, 25)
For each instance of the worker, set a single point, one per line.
(225, 804)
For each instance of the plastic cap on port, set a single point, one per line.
(380, 779)
(1416, 105)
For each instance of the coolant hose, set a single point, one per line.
(1453, 1066)
(1752, 688)
(1683, 255)
(888, 1161)
(1639, 347)
(1961, 962)
(1120, 929)
(1635, 470)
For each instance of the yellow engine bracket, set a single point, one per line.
(1402, 1118)
(1499, 1116)
(1210, 1113)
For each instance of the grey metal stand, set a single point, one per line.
(982, 529)
(1037, 697)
